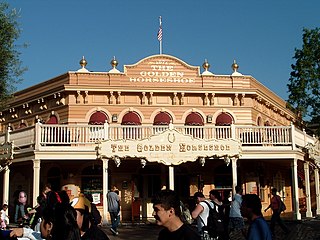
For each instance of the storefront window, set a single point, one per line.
(91, 183)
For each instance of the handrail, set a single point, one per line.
(82, 134)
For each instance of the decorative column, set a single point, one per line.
(143, 98)
(119, 98)
(86, 93)
(36, 180)
(174, 100)
(151, 98)
(105, 176)
(6, 184)
(182, 99)
(308, 197)
(295, 190)
(212, 99)
(316, 180)
(234, 175)
(111, 97)
(206, 99)
(171, 177)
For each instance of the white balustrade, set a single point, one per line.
(73, 134)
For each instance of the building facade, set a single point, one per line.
(160, 123)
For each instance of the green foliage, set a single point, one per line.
(10, 64)
(304, 81)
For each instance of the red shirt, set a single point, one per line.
(275, 202)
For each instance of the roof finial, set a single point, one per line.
(235, 66)
(83, 63)
(114, 64)
(206, 67)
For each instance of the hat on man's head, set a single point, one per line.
(81, 203)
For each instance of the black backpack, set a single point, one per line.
(215, 224)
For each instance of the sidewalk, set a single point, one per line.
(299, 230)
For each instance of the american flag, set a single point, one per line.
(159, 35)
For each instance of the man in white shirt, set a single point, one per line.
(201, 212)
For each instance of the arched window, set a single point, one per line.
(162, 118)
(131, 119)
(98, 118)
(161, 121)
(224, 119)
(52, 120)
(97, 132)
(194, 121)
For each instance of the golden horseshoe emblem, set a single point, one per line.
(171, 139)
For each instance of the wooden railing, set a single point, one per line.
(264, 135)
(72, 134)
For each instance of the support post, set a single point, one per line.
(308, 196)
(36, 181)
(295, 190)
(105, 176)
(316, 180)
(234, 175)
(6, 184)
(171, 177)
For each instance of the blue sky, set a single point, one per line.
(260, 35)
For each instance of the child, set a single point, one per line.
(4, 216)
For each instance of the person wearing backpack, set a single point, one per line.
(201, 212)
(275, 205)
(220, 228)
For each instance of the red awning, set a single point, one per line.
(131, 118)
(162, 118)
(194, 119)
(98, 118)
(223, 119)
(52, 120)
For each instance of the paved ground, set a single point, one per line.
(299, 230)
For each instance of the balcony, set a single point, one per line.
(72, 137)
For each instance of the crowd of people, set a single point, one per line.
(230, 214)
(56, 217)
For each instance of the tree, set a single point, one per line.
(10, 64)
(304, 81)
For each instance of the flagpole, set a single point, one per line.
(160, 35)
(160, 47)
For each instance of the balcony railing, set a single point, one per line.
(74, 135)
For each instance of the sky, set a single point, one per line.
(260, 35)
